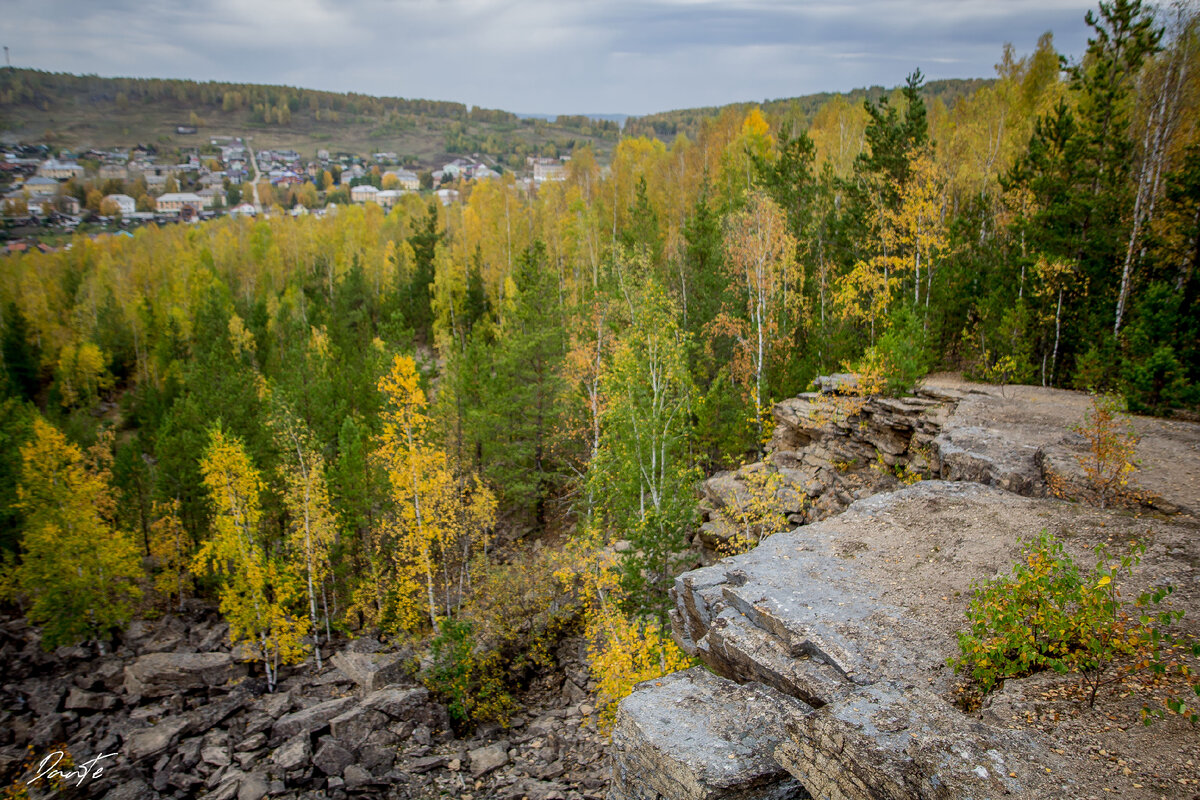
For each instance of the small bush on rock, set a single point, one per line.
(1050, 614)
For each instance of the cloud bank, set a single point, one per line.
(551, 56)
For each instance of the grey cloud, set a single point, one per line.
(551, 56)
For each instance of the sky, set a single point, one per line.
(539, 56)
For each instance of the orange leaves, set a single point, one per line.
(1112, 443)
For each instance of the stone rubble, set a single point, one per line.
(186, 722)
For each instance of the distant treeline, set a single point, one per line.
(48, 90)
(798, 111)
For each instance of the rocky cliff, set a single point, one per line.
(825, 647)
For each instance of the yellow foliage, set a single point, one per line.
(259, 594)
(82, 373)
(754, 512)
(240, 337)
(623, 649)
(78, 569)
(170, 551)
(421, 553)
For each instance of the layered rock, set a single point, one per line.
(856, 617)
(890, 741)
(830, 449)
(695, 736)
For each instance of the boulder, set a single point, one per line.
(79, 700)
(294, 754)
(307, 720)
(486, 759)
(166, 674)
(155, 739)
(695, 736)
(353, 726)
(357, 777)
(372, 671)
(331, 758)
(253, 787)
(399, 704)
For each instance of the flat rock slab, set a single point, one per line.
(162, 674)
(695, 736)
(312, 718)
(371, 671)
(889, 741)
(155, 739)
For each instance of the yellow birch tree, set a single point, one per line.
(258, 593)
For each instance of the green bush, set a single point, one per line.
(1050, 614)
(471, 683)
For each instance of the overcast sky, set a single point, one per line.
(539, 56)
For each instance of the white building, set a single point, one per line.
(363, 193)
(175, 202)
(59, 170)
(408, 180)
(124, 202)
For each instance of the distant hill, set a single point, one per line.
(617, 118)
(800, 110)
(82, 111)
(85, 111)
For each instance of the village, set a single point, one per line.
(59, 192)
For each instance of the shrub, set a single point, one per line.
(1109, 460)
(471, 683)
(753, 513)
(1050, 614)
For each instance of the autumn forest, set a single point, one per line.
(476, 427)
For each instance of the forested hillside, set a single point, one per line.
(487, 420)
(796, 112)
(82, 111)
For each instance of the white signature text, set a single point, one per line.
(88, 769)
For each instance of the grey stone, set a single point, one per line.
(155, 739)
(276, 705)
(165, 674)
(132, 789)
(331, 758)
(695, 736)
(357, 777)
(310, 719)
(253, 787)
(352, 727)
(225, 790)
(426, 763)
(486, 759)
(79, 700)
(399, 703)
(371, 671)
(889, 741)
(293, 754)
(48, 730)
(253, 742)
(216, 755)
(378, 759)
